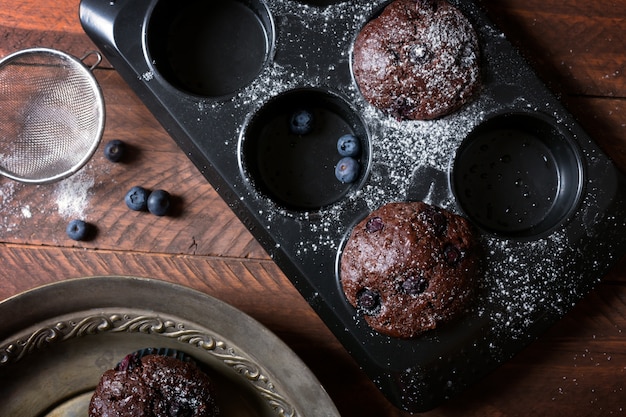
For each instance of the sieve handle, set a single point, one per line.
(98, 59)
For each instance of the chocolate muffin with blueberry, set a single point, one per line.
(410, 266)
(154, 383)
(419, 59)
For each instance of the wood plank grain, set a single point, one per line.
(233, 280)
(26, 24)
(605, 120)
(574, 46)
(201, 222)
(76, 44)
(60, 16)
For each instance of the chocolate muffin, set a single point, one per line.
(154, 385)
(408, 267)
(419, 59)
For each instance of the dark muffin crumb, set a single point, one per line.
(409, 267)
(154, 386)
(419, 59)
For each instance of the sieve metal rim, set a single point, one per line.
(87, 72)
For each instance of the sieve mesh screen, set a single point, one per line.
(51, 115)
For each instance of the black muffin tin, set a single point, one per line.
(223, 77)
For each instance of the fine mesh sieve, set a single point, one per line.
(51, 114)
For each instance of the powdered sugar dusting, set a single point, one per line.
(519, 287)
(26, 213)
(72, 195)
(7, 191)
(70, 198)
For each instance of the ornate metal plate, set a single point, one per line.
(57, 340)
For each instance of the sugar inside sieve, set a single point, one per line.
(51, 114)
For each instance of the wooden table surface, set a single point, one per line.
(577, 368)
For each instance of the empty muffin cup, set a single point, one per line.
(518, 175)
(296, 169)
(210, 49)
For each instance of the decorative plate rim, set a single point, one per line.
(43, 334)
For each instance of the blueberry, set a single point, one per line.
(301, 122)
(159, 202)
(369, 302)
(399, 108)
(374, 224)
(437, 221)
(180, 409)
(114, 150)
(348, 145)
(137, 198)
(452, 255)
(130, 361)
(414, 285)
(77, 230)
(347, 169)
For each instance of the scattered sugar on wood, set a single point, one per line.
(72, 195)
